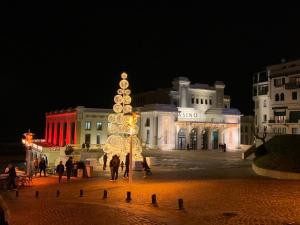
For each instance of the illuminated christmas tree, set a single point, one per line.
(122, 126)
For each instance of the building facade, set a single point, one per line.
(247, 130)
(277, 107)
(199, 117)
(77, 126)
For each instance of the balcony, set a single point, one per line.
(292, 85)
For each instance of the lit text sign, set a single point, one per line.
(190, 116)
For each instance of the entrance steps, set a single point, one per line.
(249, 151)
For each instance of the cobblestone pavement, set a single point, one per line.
(239, 201)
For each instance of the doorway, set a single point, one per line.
(181, 139)
(193, 139)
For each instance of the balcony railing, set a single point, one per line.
(293, 85)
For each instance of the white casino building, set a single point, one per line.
(199, 117)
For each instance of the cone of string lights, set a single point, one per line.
(122, 126)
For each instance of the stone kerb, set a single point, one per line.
(275, 174)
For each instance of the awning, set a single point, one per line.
(283, 113)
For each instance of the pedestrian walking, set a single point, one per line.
(115, 165)
(42, 166)
(36, 165)
(60, 171)
(11, 176)
(126, 173)
(111, 169)
(147, 171)
(69, 168)
(104, 161)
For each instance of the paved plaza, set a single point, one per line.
(216, 188)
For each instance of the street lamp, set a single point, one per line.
(132, 131)
(28, 145)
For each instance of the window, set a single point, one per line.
(201, 101)
(262, 90)
(246, 129)
(279, 119)
(279, 82)
(277, 97)
(87, 138)
(294, 95)
(265, 118)
(294, 130)
(226, 106)
(210, 101)
(282, 97)
(147, 124)
(197, 101)
(242, 129)
(205, 101)
(193, 100)
(98, 139)
(99, 125)
(148, 137)
(87, 125)
(265, 103)
(295, 80)
(254, 90)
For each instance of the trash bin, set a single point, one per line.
(89, 171)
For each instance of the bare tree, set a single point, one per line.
(264, 135)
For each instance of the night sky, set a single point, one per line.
(64, 55)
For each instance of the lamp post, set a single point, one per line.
(131, 124)
(28, 147)
(130, 161)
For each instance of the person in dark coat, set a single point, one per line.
(12, 177)
(104, 161)
(115, 164)
(60, 171)
(147, 171)
(69, 167)
(111, 169)
(126, 173)
(42, 166)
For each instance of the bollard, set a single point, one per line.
(17, 193)
(180, 204)
(57, 193)
(128, 199)
(154, 202)
(105, 194)
(36, 194)
(81, 193)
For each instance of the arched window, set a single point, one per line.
(282, 97)
(265, 103)
(277, 97)
(147, 124)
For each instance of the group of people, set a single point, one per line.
(222, 147)
(60, 169)
(115, 163)
(40, 166)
